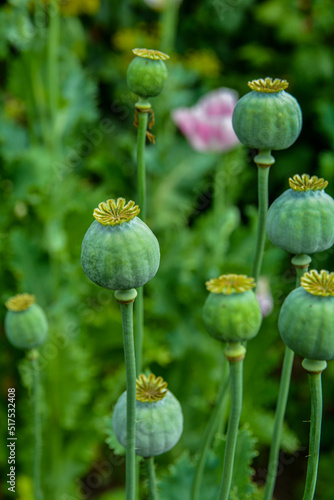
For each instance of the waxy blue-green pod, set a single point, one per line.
(147, 72)
(306, 320)
(119, 251)
(268, 117)
(26, 325)
(301, 220)
(159, 419)
(231, 312)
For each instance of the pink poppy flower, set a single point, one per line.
(208, 124)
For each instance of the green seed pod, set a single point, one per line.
(306, 320)
(147, 72)
(232, 312)
(26, 325)
(159, 419)
(268, 117)
(301, 220)
(119, 251)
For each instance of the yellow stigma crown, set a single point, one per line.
(20, 302)
(268, 85)
(113, 213)
(150, 389)
(307, 183)
(156, 55)
(230, 283)
(318, 283)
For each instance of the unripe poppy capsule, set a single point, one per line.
(301, 220)
(147, 72)
(306, 320)
(26, 325)
(268, 117)
(231, 312)
(159, 419)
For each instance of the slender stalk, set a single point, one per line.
(263, 178)
(208, 435)
(282, 398)
(141, 169)
(139, 329)
(130, 366)
(219, 201)
(37, 427)
(152, 482)
(169, 20)
(278, 424)
(141, 173)
(236, 372)
(53, 69)
(315, 435)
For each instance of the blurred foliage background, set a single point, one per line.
(67, 142)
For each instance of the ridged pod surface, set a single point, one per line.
(267, 118)
(306, 323)
(230, 315)
(147, 73)
(159, 424)
(302, 222)
(121, 256)
(26, 328)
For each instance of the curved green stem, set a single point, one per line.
(152, 482)
(236, 371)
(130, 366)
(208, 436)
(37, 427)
(315, 435)
(301, 264)
(263, 178)
(278, 424)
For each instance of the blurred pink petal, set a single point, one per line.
(208, 124)
(263, 294)
(159, 4)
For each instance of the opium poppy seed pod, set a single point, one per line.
(231, 312)
(306, 320)
(268, 117)
(301, 220)
(119, 251)
(159, 419)
(26, 325)
(147, 72)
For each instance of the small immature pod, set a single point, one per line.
(268, 117)
(119, 251)
(26, 325)
(159, 419)
(147, 72)
(301, 220)
(306, 320)
(231, 312)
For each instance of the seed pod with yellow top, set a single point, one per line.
(119, 251)
(267, 118)
(232, 312)
(159, 419)
(301, 220)
(26, 325)
(306, 320)
(147, 72)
